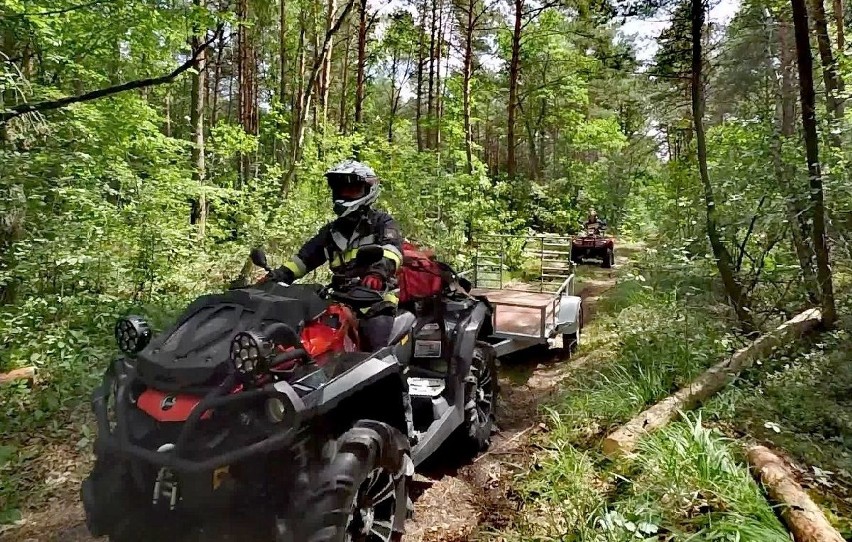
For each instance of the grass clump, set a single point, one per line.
(658, 344)
(692, 484)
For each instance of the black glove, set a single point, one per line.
(282, 274)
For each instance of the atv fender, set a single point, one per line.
(467, 334)
(568, 316)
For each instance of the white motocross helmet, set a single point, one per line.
(354, 186)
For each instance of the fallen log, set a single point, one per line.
(803, 517)
(717, 377)
(24, 373)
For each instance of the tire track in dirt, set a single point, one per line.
(454, 502)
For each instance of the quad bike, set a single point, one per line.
(593, 244)
(257, 417)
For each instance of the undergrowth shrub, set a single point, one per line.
(663, 342)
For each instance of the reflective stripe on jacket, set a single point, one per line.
(337, 243)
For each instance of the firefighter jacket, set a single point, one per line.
(337, 244)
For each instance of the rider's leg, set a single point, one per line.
(375, 330)
(375, 333)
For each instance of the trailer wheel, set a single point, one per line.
(571, 341)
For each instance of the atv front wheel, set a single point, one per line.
(608, 259)
(116, 508)
(480, 394)
(361, 495)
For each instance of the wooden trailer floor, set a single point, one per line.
(518, 312)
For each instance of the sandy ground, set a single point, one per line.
(452, 502)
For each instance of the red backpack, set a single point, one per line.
(420, 275)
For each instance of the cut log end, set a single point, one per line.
(802, 516)
(26, 374)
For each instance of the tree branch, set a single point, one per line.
(748, 233)
(38, 107)
(60, 11)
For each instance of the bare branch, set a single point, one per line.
(38, 107)
(60, 11)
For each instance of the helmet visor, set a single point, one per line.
(346, 187)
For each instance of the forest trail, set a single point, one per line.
(451, 500)
(454, 503)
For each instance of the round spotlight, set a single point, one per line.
(132, 334)
(250, 352)
(275, 409)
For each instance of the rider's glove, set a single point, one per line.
(373, 282)
(282, 274)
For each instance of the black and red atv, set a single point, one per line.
(593, 243)
(256, 416)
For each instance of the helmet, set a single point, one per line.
(354, 186)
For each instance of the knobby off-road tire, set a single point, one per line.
(362, 491)
(481, 388)
(571, 341)
(608, 259)
(117, 509)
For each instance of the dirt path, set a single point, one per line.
(453, 504)
(451, 501)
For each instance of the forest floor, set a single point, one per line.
(452, 500)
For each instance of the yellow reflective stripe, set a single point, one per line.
(294, 267)
(391, 253)
(391, 297)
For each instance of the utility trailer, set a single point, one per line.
(535, 311)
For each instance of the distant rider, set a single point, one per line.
(592, 221)
(354, 188)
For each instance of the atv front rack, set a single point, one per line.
(118, 440)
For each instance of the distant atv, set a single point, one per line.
(594, 244)
(256, 412)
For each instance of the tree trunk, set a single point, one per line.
(245, 84)
(838, 21)
(362, 61)
(217, 80)
(467, 75)
(514, 68)
(325, 80)
(421, 54)
(786, 175)
(282, 52)
(344, 82)
(393, 92)
(724, 264)
(167, 127)
(430, 96)
(831, 78)
(199, 208)
(305, 97)
(809, 125)
(298, 114)
(439, 93)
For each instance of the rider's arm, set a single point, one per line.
(310, 256)
(389, 237)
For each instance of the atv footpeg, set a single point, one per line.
(166, 486)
